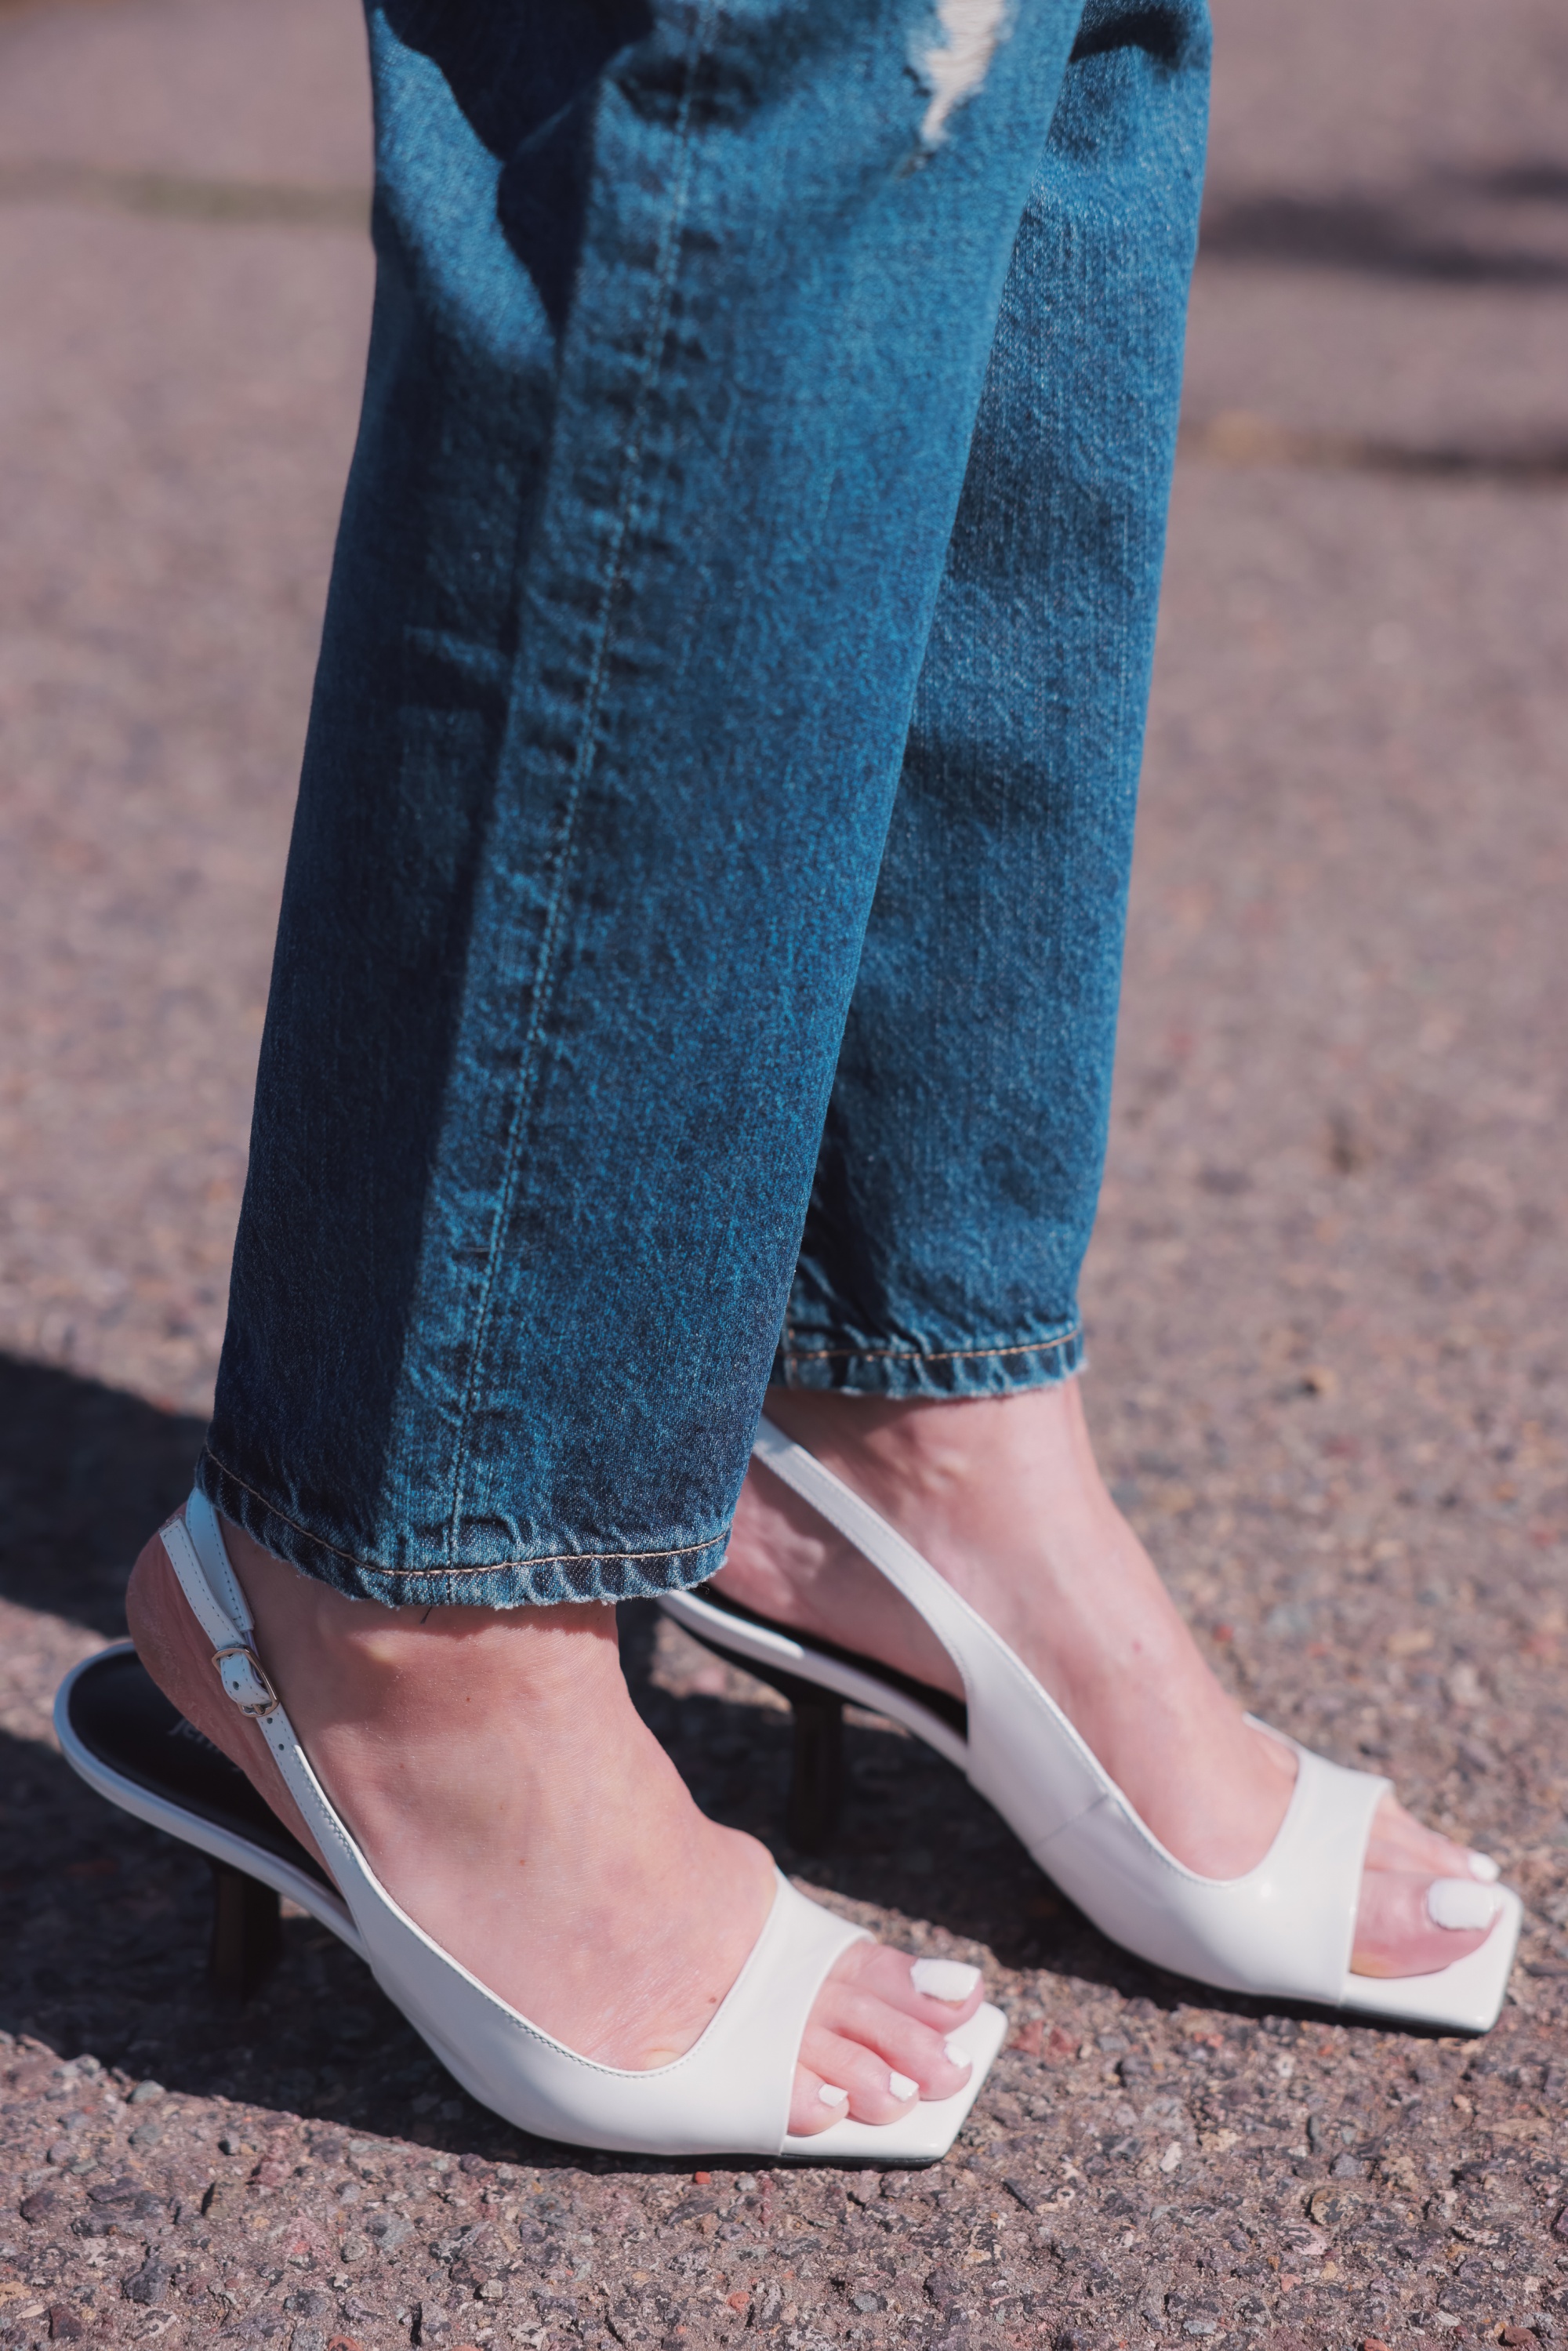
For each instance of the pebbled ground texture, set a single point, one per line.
(1327, 1298)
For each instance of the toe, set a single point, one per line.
(895, 2042)
(940, 1993)
(878, 2092)
(1401, 1843)
(815, 2105)
(1411, 1924)
(882, 2038)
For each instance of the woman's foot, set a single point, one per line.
(1003, 1497)
(509, 1796)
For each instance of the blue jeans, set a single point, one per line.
(700, 948)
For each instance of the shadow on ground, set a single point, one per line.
(1444, 228)
(86, 1473)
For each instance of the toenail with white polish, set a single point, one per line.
(1451, 1902)
(900, 2085)
(831, 2098)
(956, 2055)
(949, 1979)
(1484, 1866)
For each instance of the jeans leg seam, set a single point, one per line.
(528, 1062)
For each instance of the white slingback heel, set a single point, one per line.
(730, 2093)
(1282, 1931)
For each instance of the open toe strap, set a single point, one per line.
(1287, 1929)
(730, 2092)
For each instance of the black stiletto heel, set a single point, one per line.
(817, 1779)
(817, 1769)
(816, 1798)
(247, 1932)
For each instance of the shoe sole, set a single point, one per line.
(118, 1732)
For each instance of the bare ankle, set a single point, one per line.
(939, 1448)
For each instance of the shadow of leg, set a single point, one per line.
(86, 1473)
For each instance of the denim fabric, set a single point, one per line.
(717, 812)
(960, 1168)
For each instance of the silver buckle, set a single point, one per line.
(249, 1706)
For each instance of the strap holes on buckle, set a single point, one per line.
(257, 1709)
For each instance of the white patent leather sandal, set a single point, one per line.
(728, 2094)
(1283, 1931)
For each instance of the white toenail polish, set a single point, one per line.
(956, 2055)
(949, 1979)
(900, 2085)
(1484, 1866)
(831, 2098)
(1451, 1902)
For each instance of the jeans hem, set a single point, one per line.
(1005, 1369)
(539, 1581)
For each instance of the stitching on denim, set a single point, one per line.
(497, 1567)
(930, 1354)
(632, 450)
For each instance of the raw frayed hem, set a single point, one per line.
(535, 1583)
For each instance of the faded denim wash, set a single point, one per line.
(702, 927)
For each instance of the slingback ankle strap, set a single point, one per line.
(196, 1554)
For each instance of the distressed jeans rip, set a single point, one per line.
(954, 67)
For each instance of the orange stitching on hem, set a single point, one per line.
(930, 1356)
(501, 1567)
